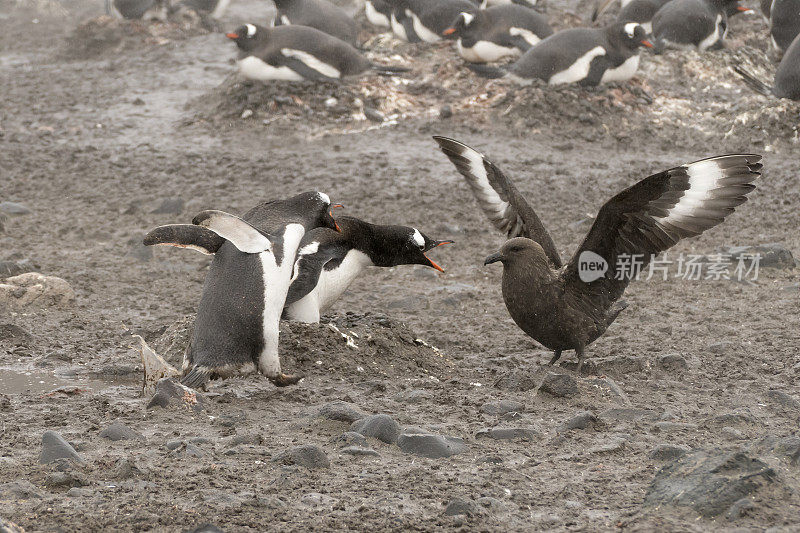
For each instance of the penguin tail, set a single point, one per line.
(196, 377)
(753, 82)
(486, 71)
(389, 69)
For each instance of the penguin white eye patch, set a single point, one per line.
(630, 28)
(251, 29)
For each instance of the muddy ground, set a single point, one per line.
(102, 141)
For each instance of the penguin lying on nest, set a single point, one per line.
(327, 261)
(244, 293)
(566, 306)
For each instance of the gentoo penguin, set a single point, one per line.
(328, 262)
(568, 306)
(641, 11)
(787, 75)
(213, 8)
(693, 23)
(245, 289)
(378, 13)
(429, 18)
(136, 9)
(491, 3)
(766, 7)
(295, 53)
(588, 56)
(496, 32)
(319, 14)
(784, 22)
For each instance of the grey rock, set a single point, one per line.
(232, 420)
(502, 407)
(13, 208)
(672, 362)
(308, 455)
(194, 451)
(382, 427)
(783, 399)
(316, 499)
(559, 385)
(351, 438)
(630, 414)
(584, 420)
(740, 509)
(622, 364)
(429, 445)
(719, 347)
(359, 450)
(771, 255)
(201, 440)
(174, 444)
(119, 431)
(126, 468)
(730, 419)
(19, 490)
(445, 112)
(15, 267)
(77, 492)
(373, 115)
(510, 434)
(518, 381)
(169, 206)
(490, 504)
(788, 448)
(254, 439)
(670, 427)
(731, 433)
(414, 396)
(14, 334)
(709, 482)
(341, 412)
(54, 447)
(667, 452)
(459, 506)
(609, 446)
(172, 394)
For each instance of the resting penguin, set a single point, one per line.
(429, 18)
(787, 75)
(378, 13)
(319, 14)
(702, 24)
(136, 9)
(588, 56)
(296, 53)
(641, 11)
(499, 31)
(784, 22)
(212, 8)
(236, 328)
(328, 262)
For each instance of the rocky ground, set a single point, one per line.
(424, 406)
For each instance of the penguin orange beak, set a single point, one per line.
(647, 43)
(337, 206)
(232, 35)
(743, 9)
(449, 31)
(434, 265)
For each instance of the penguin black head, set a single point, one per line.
(629, 35)
(402, 245)
(732, 7)
(247, 37)
(315, 210)
(461, 24)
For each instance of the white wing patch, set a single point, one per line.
(528, 35)
(187, 246)
(579, 69)
(712, 39)
(704, 177)
(241, 234)
(485, 52)
(312, 62)
(491, 203)
(254, 68)
(375, 17)
(422, 32)
(624, 72)
(398, 28)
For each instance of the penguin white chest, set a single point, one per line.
(624, 72)
(398, 28)
(332, 283)
(579, 68)
(484, 51)
(254, 68)
(375, 17)
(717, 35)
(422, 32)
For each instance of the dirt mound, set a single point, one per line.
(360, 344)
(106, 35)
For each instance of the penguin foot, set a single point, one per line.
(284, 380)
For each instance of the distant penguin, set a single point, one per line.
(136, 9)
(319, 14)
(378, 13)
(588, 56)
(784, 22)
(787, 75)
(401, 22)
(640, 11)
(700, 24)
(236, 329)
(213, 8)
(328, 262)
(496, 32)
(296, 53)
(430, 18)
(601, 6)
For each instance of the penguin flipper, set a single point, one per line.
(308, 267)
(240, 233)
(308, 66)
(188, 236)
(486, 71)
(752, 82)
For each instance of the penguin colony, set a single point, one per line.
(291, 259)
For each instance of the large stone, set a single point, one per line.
(770, 255)
(783, 399)
(559, 385)
(170, 393)
(510, 434)
(35, 290)
(429, 445)
(584, 420)
(668, 452)
(13, 208)
(460, 506)
(55, 447)
(308, 455)
(341, 412)
(709, 482)
(518, 381)
(119, 431)
(381, 427)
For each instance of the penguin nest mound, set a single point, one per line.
(342, 345)
(107, 35)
